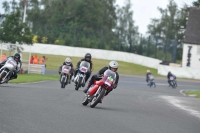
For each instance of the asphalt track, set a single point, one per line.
(133, 107)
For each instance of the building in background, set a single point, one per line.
(191, 46)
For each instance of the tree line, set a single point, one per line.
(98, 24)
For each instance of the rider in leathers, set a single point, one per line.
(68, 62)
(16, 57)
(87, 58)
(113, 66)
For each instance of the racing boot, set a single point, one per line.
(87, 88)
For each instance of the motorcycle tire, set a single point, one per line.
(2, 75)
(97, 99)
(173, 84)
(85, 100)
(79, 83)
(63, 83)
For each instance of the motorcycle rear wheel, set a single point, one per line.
(97, 99)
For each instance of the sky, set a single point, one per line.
(143, 10)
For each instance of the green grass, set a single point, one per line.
(195, 92)
(54, 61)
(24, 78)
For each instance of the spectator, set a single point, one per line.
(35, 61)
(31, 60)
(3, 57)
(43, 60)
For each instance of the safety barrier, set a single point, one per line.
(181, 72)
(33, 68)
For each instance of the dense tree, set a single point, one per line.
(13, 30)
(196, 3)
(168, 28)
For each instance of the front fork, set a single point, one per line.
(5, 78)
(97, 93)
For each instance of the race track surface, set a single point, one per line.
(133, 107)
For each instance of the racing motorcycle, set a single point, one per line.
(172, 82)
(79, 80)
(7, 70)
(65, 75)
(98, 90)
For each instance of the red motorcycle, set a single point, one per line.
(98, 90)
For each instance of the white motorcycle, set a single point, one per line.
(65, 75)
(7, 70)
(79, 80)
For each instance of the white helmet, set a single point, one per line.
(113, 64)
(68, 61)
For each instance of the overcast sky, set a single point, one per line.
(143, 10)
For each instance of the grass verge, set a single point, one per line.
(24, 78)
(195, 92)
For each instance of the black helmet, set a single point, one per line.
(17, 57)
(88, 55)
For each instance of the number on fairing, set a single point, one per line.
(12, 63)
(65, 70)
(83, 69)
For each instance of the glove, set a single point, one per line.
(59, 72)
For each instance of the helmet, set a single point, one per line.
(148, 71)
(68, 61)
(17, 57)
(169, 73)
(113, 64)
(88, 55)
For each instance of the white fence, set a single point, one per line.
(33, 68)
(96, 53)
(181, 72)
(113, 55)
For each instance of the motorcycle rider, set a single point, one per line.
(67, 62)
(87, 58)
(170, 75)
(149, 76)
(113, 66)
(17, 58)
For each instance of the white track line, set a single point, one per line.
(182, 92)
(31, 82)
(177, 103)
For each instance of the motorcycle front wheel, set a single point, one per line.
(97, 99)
(63, 82)
(78, 85)
(85, 100)
(2, 75)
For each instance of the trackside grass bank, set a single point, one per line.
(54, 61)
(24, 78)
(194, 92)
